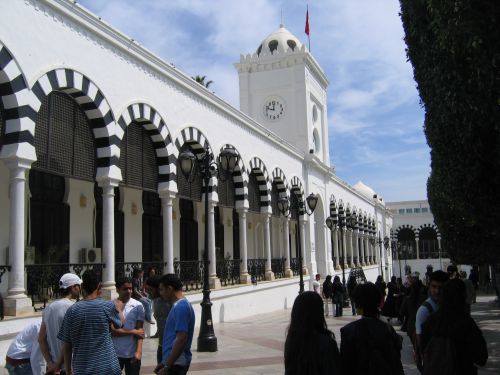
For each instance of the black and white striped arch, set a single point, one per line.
(258, 168)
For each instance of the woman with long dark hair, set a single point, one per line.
(338, 296)
(310, 347)
(454, 327)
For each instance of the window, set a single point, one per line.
(409, 211)
(425, 210)
(416, 210)
(401, 211)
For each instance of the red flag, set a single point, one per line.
(307, 23)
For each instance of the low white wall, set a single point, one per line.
(420, 265)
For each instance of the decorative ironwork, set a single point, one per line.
(355, 260)
(228, 271)
(278, 267)
(125, 269)
(191, 273)
(294, 265)
(43, 280)
(257, 268)
(359, 274)
(3, 269)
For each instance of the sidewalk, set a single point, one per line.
(255, 346)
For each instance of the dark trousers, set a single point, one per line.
(338, 301)
(178, 370)
(159, 354)
(131, 368)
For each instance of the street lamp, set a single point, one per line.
(284, 207)
(386, 246)
(208, 168)
(338, 221)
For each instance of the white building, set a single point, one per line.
(92, 125)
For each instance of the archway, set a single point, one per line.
(322, 258)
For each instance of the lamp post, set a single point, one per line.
(398, 249)
(338, 221)
(284, 206)
(386, 246)
(208, 168)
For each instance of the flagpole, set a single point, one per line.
(307, 27)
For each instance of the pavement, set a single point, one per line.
(255, 346)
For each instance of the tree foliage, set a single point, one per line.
(201, 81)
(453, 46)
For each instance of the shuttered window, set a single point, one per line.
(253, 194)
(274, 199)
(225, 189)
(294, 204)
(137, 159)
(152, 228)
(63, 139)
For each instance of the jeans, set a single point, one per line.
(131, 368)
(353, 307)
(22, 369)
(178, 370)
(338, 301)
(159, 354)
(146, 302)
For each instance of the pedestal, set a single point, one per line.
(245, 278)
(214, 283)
(109, 293)
(17, 306)
(269, 276)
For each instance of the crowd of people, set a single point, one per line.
(434, 313)
(95, 336)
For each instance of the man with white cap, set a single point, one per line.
(52, 319)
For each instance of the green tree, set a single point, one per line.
(453, 46)
(201, 81)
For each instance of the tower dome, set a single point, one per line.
(280, 40)
(365, 190)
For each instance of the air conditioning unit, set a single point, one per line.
(91, 255)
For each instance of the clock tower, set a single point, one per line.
(284, 88)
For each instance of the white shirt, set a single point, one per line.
(52, 317)
(25, 345)
(125, 346)
(317, 286)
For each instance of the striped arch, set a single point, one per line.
(333, 206)
(281, 182)
(19, 110)
(404, 226)
(155, 127)
(258, 168)
(96, 108)
(240, 179)
(423, 226)
(297, 188)
(197, 143)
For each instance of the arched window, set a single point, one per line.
(189, 231)
(253, 193)
(137, 159)
(219, 234)
(225, 189)
(406, 244)
(428, 243)
(274, 199)
(63, 139)
(152, 227)
(236, 235)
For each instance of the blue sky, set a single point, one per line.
(375, 119)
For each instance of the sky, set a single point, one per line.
(375, 118)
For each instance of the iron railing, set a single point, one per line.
(3, 270)
(228, 271)
(126, 269)
(257, 268)
(191, 273)
(278, 267)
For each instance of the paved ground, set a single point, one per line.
(255, 346)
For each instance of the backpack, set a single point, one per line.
(440, 357)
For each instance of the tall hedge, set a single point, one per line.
(453, 46)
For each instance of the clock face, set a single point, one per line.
(274, 109)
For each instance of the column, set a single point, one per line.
(244, 276)
(344, 249)
(267, 246)
(418, 250)
(286, 242)
(367, 247)
(302, 228)
(213, 280)
(168, 232)
(354, 245)
(17, 302)
(334, 234)
(349, 248)
(362, 250)
(108, 237)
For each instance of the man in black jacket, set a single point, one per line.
(370, 346)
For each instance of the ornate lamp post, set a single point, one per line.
(208, 168)
(338, 221)
(285, 207)
(386, 246)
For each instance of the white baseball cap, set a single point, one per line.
(69, 279)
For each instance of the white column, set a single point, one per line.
(17, 302)
(344, 249)
(367, 247)
(355, 252)
(286, 242)
(108, 237)
(349, 248)
(334, 234)
(168, 232)
(267, 246)
(362, 249)
(418, 250)
(244, 276)
(213, 280)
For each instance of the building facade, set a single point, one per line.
(92, 125)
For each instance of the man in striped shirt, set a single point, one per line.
(85, 332)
